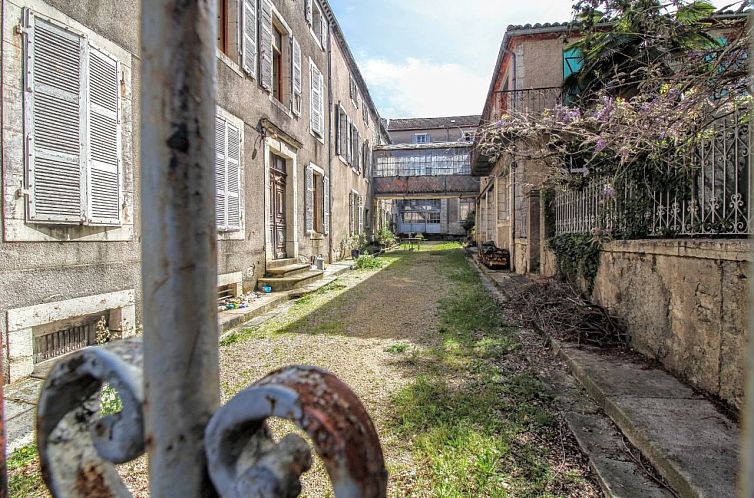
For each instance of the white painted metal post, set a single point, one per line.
(179, 241)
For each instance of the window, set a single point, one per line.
(365, 114)
(277, 63)
(465, 208)
(468, 136)
(355, 154)
(343, 129)
(248, 13)
(296, 77)
(317, 201)
(222, 26)
(356, 213)
(355, 97)
(573, 60)
(73, 120)
(317, 101)
(421, 138)
(227, 175)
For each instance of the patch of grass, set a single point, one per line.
(24, 477)
(110, 401)
(369, 262)
(399, 348)
(477, 426)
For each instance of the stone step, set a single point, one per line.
(277, 263)
(693, 446)
(282, 284)
(287, 271)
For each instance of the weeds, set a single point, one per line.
(477, 422)
(397, 348)
(368, 262)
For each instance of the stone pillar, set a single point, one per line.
(20, 354)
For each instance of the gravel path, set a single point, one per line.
(350, 334)
(348, 330)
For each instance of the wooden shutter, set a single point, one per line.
(103, 127)
(265, 48)
(249, 23)
(233, 178)
(350, 213)
(308, 13)
(338, 134)
(326, 204)
(343, 133)
(309, 200)
(54, 116)
(316, 101)
(220, 180)
(296, 76)
(361, 213)
(324, 27)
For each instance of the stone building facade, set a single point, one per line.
(422, 180)
(532, 63)
(71, 173)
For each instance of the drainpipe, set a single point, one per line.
(329, 142)
(3, 467)
(179, 249)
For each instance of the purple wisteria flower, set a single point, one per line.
(600, 145)
(608, 191)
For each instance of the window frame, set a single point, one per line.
(88, 50)
(321, 134)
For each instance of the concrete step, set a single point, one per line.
(282, 284)
(287, 271)
(691, 444)
(277, 263)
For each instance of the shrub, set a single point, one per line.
(368, 262)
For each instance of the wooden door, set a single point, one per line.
(278, 223)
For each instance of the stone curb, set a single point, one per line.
(672, 462)
(616, 473)
(229, 327)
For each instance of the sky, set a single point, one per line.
(432, 58)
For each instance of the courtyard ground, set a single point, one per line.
(459, 408)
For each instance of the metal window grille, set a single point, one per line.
(422, 162)
(66, 340)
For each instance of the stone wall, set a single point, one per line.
(685, 303)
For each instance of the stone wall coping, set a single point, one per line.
(717, 249)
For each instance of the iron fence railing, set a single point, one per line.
(715, 198)
(529, 101)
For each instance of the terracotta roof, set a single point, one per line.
(434, 123)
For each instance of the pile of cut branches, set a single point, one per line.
(558, 310)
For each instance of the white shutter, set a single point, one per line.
(361, 214)
(326, 204)
(220, 178)
(249, 24)
(103, 139)
(309, 200)
(350, 213)
(338, 133)
(233, 178)
(344, 128)
(296, 75)
(308, 11)
(316, 101)
(54, 115)
(324, 27)
(265, 48)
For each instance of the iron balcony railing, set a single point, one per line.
(716, 199)
(528, 101)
